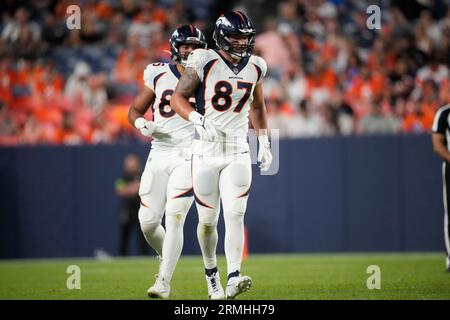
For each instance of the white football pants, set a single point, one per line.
(166, 186)
(227, 178)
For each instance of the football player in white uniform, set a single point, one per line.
(166, 183)
(228, 87)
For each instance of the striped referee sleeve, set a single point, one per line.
(440, 119)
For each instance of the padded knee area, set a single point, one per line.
(178, 218)
(234, 215)
(208, 217)
(236, 209)
(149, 228)
(206, 229)
(148, 216)
(175, 207)
(240, 206)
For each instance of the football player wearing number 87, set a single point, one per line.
(166, 182)
(228, 87)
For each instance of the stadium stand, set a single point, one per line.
(328, 73)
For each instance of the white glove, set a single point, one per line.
(146, 127)
(264, 154)
(205, 127)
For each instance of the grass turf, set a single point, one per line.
(300, 276)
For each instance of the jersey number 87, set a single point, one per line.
(222, 101)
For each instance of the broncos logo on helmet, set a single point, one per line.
(234, 23)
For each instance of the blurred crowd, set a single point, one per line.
(328, 73)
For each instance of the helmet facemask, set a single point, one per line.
(236, 51)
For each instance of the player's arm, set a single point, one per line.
(186, 87)
(439, 146)
(258, 118)
(140, 104)
(258, 112)
(138, 108)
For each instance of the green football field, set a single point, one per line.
(300, 276)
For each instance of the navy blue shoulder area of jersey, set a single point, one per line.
(176, 73)
(159, 70)
(200, 93)
(258, 70)
(155, 80)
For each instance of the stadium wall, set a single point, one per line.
(381, 193)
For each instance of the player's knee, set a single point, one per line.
(234, 215)
(208, 218)
(178, 218)
(149, 216)
(236, 210)
(178, 207)
(149, 228)
(176, 212)
(206, 229)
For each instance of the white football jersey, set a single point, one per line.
(224, 96)
(162, 78)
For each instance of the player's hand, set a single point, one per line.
(205, 127)
(146, 127)
(264, 153)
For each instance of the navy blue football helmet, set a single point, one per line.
(234, 23)
(186, 34)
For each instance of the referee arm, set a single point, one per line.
(439, 146)
(440, 129)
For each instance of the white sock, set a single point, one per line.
(154, 234)
(207, 238)
(173, 245)
(234, 240)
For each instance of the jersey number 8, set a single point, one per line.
(164, 104)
